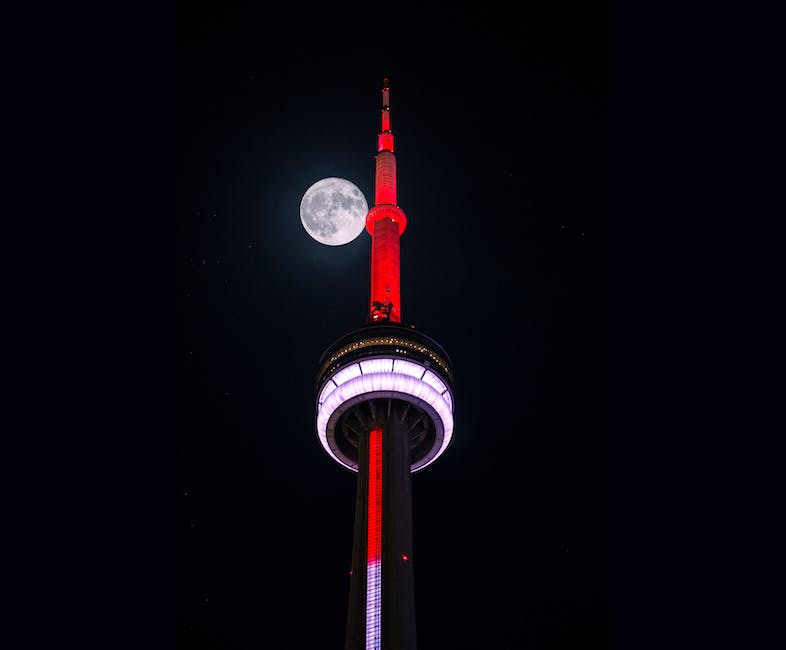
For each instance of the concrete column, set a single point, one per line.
(398, 586)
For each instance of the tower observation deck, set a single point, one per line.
(384, 396)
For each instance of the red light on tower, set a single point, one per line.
(385, 223)
(374, 544)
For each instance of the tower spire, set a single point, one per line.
(385, 137)
(385, 223)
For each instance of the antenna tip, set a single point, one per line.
(385, 82)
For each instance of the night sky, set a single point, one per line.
(500, 118)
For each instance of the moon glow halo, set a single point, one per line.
(333, 211)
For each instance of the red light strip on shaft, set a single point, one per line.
(374, 543)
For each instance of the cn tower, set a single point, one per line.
(384, 410)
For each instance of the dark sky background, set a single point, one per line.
(500, 117)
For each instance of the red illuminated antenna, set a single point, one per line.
(385, 223)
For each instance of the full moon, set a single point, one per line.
(333, 211)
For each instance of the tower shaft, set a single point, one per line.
(382, 588)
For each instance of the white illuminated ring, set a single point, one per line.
(385, 377)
